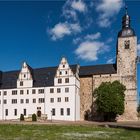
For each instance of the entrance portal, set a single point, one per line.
(38, 113)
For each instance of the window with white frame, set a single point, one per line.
(14, 101)
(67, 90)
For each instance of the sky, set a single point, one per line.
(83, 31)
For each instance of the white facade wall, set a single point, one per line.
(67, 107)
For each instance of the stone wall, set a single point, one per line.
(85, 95)
(88, 85)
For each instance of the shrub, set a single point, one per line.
(21, 117)
(34, 118)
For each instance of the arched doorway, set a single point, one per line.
(38, 113)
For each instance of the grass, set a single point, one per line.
(64, 132)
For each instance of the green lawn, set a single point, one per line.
(67, 132)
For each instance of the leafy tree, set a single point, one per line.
(110, 99)
(21, 117)
(34, 118)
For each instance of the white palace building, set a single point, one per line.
(52, 91)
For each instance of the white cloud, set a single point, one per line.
(89, 50)
(108, 9)
(62, 29)
(93, 36)
(71, 7)
(88, 37)
(76, 40)
(110, 61)
(78, 5)
(138, 49)
(109, 40)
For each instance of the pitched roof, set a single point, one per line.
(42, 77)
(97, 70)
(45, 76)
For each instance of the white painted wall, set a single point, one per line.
(46, 107)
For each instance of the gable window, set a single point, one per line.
(58, 90)
(66, 72)
(59, 80)
(21, 83)
(14, 92)
(24, 75)
(60, 73)
(63, 66)
(21, 92)
(66, 80)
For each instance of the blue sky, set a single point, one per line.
(41, 32)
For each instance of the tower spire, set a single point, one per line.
(126, 19)
(126, 10)
(126, 26)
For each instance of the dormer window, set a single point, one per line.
(59, 80)
(21, 83)
(66, 80)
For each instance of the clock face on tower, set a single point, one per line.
(127, 44)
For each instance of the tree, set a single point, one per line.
(110, 99)
(21, 117)
(34, 118)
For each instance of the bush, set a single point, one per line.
(34, 118)
(21, 117)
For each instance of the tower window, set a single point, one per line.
(127, 44)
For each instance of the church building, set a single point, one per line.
(65, 92)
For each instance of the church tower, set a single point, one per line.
(126, 66)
